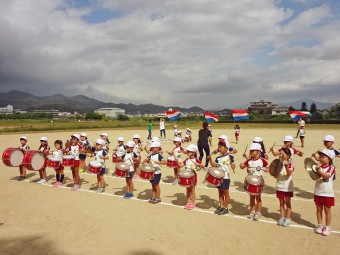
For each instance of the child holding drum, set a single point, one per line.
(57, 154)
(24, 147)
(176, 157)
(137, 149)
(130, 158)
(155, 159)
(100, 156)
(224, 162)
(82, 156)
(44, 148)
(191, 164)
(119, 151)
(75, 148)
(323, 191)
(254, 181)
(285, 188)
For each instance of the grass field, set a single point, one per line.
(14, 126)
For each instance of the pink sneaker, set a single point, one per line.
(192, 206)
(187, 206)
(60, 184)
(326, 231)
(318, 229)
(56, 184)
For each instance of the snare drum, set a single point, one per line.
(214, 176)
(122, 169)
(253, 184)
(172, 162)
(186, 178)
(68, 160)
(34, 160)
(13, 157)
(53, 162)
(116, 159)
(147, 172)
(95, 167)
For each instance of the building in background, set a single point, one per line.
(280, 110)
(110, 112)
(262, 107)
(7, 110)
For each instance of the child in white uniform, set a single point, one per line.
(323, 191)
(285, 188)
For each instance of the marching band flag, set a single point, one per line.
(240, 114)
(173, 114)
(210, 117)
(296, 115)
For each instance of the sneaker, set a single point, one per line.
(56, 184)
(75, 187)
(257, 216)
(326, 231)
(223, 211)
(126, 195)
(175, 182)
(280, 221)
(22, 178)
(286, 223)
(59, 184)
(100, 190)
(41, 181)
(218, 210)
(156, 200)
(191, 206)
(251, 215)
(187, 206)
(151, 199)
(318, 229)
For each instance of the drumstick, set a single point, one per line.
(246, 149)
(274, 144)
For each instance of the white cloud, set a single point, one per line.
(204, 53)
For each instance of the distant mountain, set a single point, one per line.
(297, 104)
(80, 103)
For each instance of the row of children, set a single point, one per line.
(255, 163)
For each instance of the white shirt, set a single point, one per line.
(190, 163)
(301, 122)
(177, 153)
(98, 154)
(120, 150)
(75, 151)
(325, 188)
(25, 147)
(224, 163)
(153, 158)
(58, 154)
(285, 182)
(255, 167)
(128, 159)
(161, 125)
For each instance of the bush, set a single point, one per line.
(122, 117)
(93, 116)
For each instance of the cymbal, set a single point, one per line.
(275, 168)
(310, 165)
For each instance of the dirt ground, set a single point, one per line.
(42, 219)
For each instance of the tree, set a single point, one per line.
(334, 112)
(313, 108)
(303, 106)
(317, 116)
(291, 108)
(122, 117)
(93, 116)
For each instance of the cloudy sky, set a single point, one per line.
(209, 53)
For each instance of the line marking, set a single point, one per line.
(181, 207)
